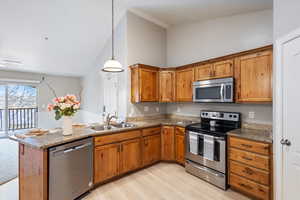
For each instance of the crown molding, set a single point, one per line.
(149, 18)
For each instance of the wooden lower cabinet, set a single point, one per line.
(151, 149)
(114, 159)
(168, 143)
(180, 145)
(33, 173)
(131, 155)
(250, 167)
(180, 149)
(106, 162)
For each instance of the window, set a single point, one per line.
(18, 107)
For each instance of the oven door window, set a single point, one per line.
(212, 92)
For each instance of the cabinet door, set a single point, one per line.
(151, 149)
(184, 81)
(254, 77)
(203, 72)
(130, 155)
(168, 140)
(148, 85)
(223, 69)
(180, 148)
(106, 162)
(167, 86)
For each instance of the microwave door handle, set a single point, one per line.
(222, 92)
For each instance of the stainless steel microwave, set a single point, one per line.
(215, 90)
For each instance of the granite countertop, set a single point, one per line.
(253, 134)
(56, 138)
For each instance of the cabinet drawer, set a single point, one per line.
(151, 131)
(116, 137)
(251, 173)
(257, 147)
(252, 159)
(249, 187)
(179, 130)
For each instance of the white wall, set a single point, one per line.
(95, 84)
(214, 38)
(62, 85)
(218, 37)
(147, 45)
(286, 16)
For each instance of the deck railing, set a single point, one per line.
(19, 118)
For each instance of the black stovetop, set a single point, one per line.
(209, 130)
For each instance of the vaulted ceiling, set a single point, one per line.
(66, 36)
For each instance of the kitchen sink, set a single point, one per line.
(102, 127)
(111, 127)
(124, 125)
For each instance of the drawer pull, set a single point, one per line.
(245, 186)
(248, 171)
(261, 190)
(247, 145)
(246, 158)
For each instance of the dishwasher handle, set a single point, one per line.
(75, 148)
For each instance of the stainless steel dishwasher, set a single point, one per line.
(70, 170)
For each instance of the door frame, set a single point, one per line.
(5, 112)
(278, 111)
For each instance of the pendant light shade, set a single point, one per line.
(112, 65)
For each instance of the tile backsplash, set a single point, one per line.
(251, 113)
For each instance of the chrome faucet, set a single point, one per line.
(109, 117)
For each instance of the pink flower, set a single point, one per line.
(50, 107)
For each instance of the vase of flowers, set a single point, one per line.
(65, 107)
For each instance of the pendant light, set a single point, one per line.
(112, 65)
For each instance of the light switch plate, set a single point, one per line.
(146, 108)
(157, 109)
(251, 115)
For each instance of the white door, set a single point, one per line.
(291, 120)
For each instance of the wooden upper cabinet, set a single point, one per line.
(106, 162)
(203, 72)
(223, 69)
(220, 69)
(144, 83)
(167, 86)
(253, 75)
(184, 82)
(168, 143)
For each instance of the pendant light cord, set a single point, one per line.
(112, 31)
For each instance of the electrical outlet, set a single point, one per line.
(178, 109)
(157, 109)
(146, 108)
(251, 115)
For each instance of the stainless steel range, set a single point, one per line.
(206, 149)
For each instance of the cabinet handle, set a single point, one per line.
(118, 149)
(247, 145)
(246, 158)
(248, 171)
(245, 186)
(101, 155)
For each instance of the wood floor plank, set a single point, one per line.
(163, 181)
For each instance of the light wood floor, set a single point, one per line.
(159, 182)
(162, 182)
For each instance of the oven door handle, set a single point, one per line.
(201, 134)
